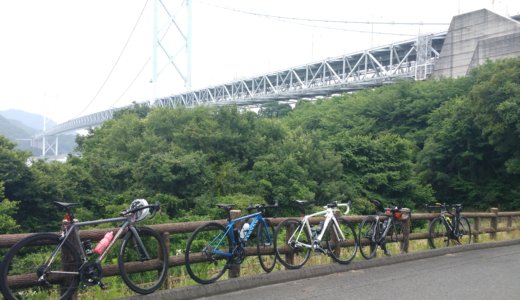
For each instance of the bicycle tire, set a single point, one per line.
(202, 264)
(288, 254)
(368, 235)
(464, 231)
(264, 246)
(396, 244)
(23, 261)
(143, 276)
(438, 235)
(342, 251)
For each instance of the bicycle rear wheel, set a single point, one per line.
(141, 274)
(368, 234)
(394, 241)
(464, 231)
(438, 236)
(24, 264)
(264, 246)
(291, 255)
(205, 259)
(342, 250)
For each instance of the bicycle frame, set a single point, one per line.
(73, 229)
(256, 217)
(329, 217)
(388, 225)
(451, 227)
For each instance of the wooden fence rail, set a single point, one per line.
(8, 240)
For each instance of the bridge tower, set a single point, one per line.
(172, 45)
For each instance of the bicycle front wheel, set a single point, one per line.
(208, 253)
(464, 236)
(143, 267)
(264, 246)
(368, 235)
(342, 249)
(288, 244)
(25, 262)
(438, 236)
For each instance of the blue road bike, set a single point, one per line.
(214, 248)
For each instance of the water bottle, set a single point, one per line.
(103, 244)
(243, 232)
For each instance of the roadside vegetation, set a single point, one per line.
(448, 140)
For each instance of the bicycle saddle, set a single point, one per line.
(65, 205)
(225, 206)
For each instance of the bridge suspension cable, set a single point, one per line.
(116, 62)
(324, 20)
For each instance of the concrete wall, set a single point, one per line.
(474, 37)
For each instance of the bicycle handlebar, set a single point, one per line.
(154, 208)
(333, 205)
(259, 207)
(443, 206)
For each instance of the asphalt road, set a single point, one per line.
(476, 271)
(478, 274)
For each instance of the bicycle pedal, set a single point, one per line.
(102, 285)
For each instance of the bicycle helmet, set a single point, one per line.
(140, 214)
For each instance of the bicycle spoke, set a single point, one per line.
(367, 238)
(203, 262)
(342, 242)
(289, 244)
(24, 264)
(143, 270)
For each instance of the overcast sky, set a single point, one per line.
(67, 58)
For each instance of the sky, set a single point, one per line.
(69, 58)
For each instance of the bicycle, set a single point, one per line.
(49, 265)
(295, 238)
(442, 232)
(213, 248)
(376, 232)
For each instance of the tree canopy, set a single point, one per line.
(449, 140)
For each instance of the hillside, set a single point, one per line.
(14, 130)
(18, 126)
(31, 120)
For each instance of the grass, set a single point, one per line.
(179, 277)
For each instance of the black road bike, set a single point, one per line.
(382, 231)
(450, 228)
(52, 266)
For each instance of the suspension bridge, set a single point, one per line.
(471, 39)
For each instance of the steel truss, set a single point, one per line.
(413, 59)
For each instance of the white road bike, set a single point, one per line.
(295, 238)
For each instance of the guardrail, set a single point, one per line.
(8, 240)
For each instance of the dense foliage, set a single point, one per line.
(453, 140)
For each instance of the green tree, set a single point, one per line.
(7, 211)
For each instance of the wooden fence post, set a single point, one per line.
(166, 238)
(234, 271)
(289, 257)
(406, 220)
(476, 230)
(494, 223)
(509, 224)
